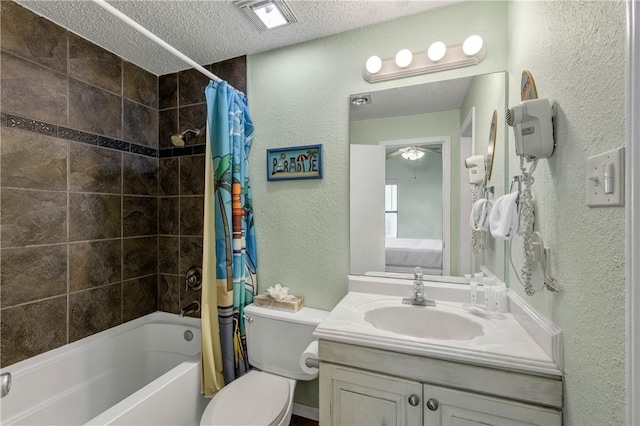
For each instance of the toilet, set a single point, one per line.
(264, 396)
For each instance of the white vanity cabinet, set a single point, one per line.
(366, 386)
(365, 398)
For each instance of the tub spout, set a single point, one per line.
(5, 383)
(190, 308)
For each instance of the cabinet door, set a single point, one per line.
(444, 406)
(352, 397)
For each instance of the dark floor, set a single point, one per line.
(301, 421)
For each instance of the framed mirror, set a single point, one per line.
(410, 199)
(492, 143)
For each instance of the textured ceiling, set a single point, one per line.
(212, 31)
(410, 100)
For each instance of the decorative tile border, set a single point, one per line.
(143, 150)
(10, 120)
(77, 135)
(31, 125)
(182, 152)
(113, 143)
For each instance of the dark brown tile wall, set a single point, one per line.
(95, 310)
(139, 85)
(95, 229)
(78, 231)
(93, 64)
(182, 103)
(94, 110)
(32, 90)
(32, 37)
(52, 75)
(181, 177)
(33, 328)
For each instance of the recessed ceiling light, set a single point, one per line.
(267, 14)
(270, 15)
(360, 99)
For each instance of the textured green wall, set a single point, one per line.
(300, 95)
(576, 52)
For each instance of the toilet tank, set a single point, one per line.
(276, 339)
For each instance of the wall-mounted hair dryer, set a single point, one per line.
(533, 128)
(476, 168)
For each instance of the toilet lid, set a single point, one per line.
(257, 398)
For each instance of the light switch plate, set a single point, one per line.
(595, 179)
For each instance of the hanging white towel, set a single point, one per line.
(504, 220)
(479, 220)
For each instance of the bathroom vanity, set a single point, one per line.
(382, 362)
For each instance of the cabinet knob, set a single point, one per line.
(432, 404)
(414, 400)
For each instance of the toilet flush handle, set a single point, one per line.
(247, 318)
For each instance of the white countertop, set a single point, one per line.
(505, 343)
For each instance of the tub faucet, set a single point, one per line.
(5, 384)
(190, 308)
(418, 298)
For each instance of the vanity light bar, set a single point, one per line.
(454, 57)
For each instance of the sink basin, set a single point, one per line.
(423, 322)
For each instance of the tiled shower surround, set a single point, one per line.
(86, 224)
(181, 176)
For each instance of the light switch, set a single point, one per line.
(605, 179)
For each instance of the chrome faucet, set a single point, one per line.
(418, 298)
(190, 308)
(5, 384)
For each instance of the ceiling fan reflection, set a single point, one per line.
(414, 153)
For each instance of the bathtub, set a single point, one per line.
(143, 372)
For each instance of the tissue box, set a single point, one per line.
(294, 304)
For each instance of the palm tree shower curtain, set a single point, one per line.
(233, 249)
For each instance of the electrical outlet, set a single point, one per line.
(605, 179)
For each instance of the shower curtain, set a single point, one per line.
(229, 263)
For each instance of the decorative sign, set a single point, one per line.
(296, 162)
(527, 87)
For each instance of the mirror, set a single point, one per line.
(492, 143)
(410, 197)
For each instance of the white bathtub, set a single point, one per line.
(143, 372)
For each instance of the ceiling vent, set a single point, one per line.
(267, 14)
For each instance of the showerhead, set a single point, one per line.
(177, 139)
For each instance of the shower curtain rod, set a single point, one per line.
(136, 26)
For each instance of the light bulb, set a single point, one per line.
(472, 45)
(437, 51)
(374, 64)
(404, 58)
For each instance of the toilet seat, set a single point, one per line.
(257, 398)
